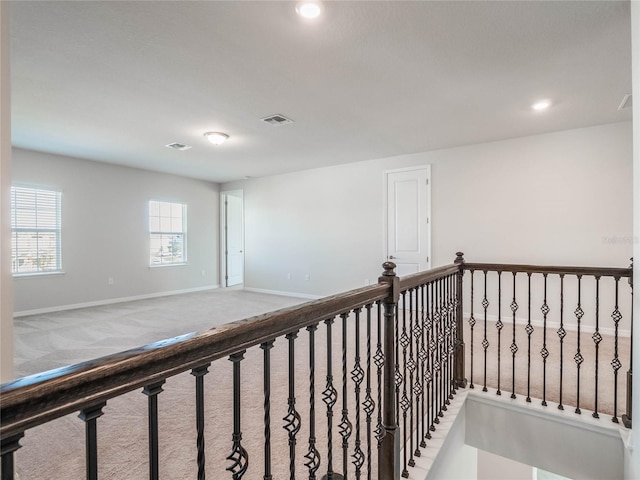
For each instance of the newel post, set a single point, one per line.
(458, 359)
(626, 418)
(389, 455)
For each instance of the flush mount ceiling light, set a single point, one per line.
(217, 138)
(541, 105)
(308, 9)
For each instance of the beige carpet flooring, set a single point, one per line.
(56, 450)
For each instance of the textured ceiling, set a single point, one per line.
(116, 81)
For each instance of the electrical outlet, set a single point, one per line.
(307, 277)
(288, 276)
(202, 272)
(110, 281)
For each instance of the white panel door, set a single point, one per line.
(234, 240)
(408, 239)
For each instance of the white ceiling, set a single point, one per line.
(116, 81)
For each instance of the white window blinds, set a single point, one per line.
(35, 230)
(167, 230)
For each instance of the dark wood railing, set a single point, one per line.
(401, 360)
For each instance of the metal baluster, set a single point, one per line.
(615, 363)
(357, 375)
(312, 456)
(345, 424)
(379, 361)
(89, 416)
(412, 367)
(266, 361)
(627, 420)
(529, 330)
(199, 373)
(239, 457)
(561, 333)
(397, 379)
(597, 338)
(579, 313)
(544, 352)
(472, 323)
(368, 404)
(436, 354)
(485, 342)
(329, 397)
(404, 401)
(442, 343)
(499, 326)
(422, 356)
(152, 391)
(8, 447)
(514, 346)
(450, 337)
(292, 419)
(429, 376)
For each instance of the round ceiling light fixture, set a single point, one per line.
(541, 105)
(217, 138)
(309, 9)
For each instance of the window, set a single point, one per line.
(35, 230)
(167, 228)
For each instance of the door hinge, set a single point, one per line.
(427, 259)
(427, 181)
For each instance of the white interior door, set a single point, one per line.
(233, 239)
(408, 211)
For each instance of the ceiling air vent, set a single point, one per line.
(626, 102)
(276, 120)
(178, 146)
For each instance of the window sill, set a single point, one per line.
(38, 274)
(163, 265)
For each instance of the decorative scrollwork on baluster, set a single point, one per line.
(239, 457)
(292, 419)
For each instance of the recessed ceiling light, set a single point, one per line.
(217, 138)
(308, 9)
(541, 105)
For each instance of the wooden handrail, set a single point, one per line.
(560, 270)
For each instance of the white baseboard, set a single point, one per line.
(110, 301)
(537, 323)
(284, 294)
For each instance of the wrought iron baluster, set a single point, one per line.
(199, 374)
(152, 392)
(442, 341)
(266, 362)
(485, 342)
(597, 338)
(379, 361)
(579, 313)
(627, 420)
(420, 381)
(436, 353)
(499, 326)
(430, 375)
(451, 335)
(472, 323)
(615, 363)
(292, 419)
(239, 457)
(368, 405)
(398, 378)
(7, 448)
(529, 330)
(514, 346)
(357, 375)
(345, 424)
(404, 401)
(329, 397)
(312, 456)
(544, 352)
(412, 369)
(89, 416)
(561, 334)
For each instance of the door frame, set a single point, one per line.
(385, 205)
(223, 237)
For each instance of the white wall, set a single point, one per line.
(635, 44)
(105, 231)
(559, 198)
(6, 284)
